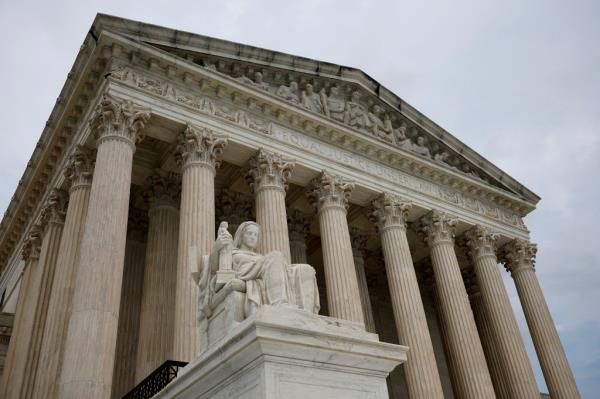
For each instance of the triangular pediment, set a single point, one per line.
(342, 94)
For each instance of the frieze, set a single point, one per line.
(243, 118)
(396, 176)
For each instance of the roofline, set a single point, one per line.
(160, 35)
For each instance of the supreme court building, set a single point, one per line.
(159, 135)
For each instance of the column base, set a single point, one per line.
(285, 352)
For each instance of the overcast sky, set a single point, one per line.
(518, 81)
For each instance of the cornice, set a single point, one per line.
(186, 83)
(191, 43)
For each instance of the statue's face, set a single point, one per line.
(294, 86)
(309, 88)
(250, 236)
(420, 140)
(258, 77)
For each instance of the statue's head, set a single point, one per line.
(309, 88)
(294, 85)
(247, 236)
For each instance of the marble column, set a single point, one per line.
(511, 349)
(198, 156)
(78, 175)
(299, 226)
(519, 258)
(486, 335)
(52, 223)
(129, 311)
(359, 246)
(267, 175)
(330, 195)
(24, 316)
(157, 311)
(470, 375)
(422, 377)
(233, 207)
(87, 369)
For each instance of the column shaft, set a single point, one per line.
(470, 375)
(267, 175)
(24, 317)
(129, 320)
(158, 302)
(490, 349)
(197, 155)
(88, 364)
(298, 226)
(343, 296)
(421, 373)
(513, 357)
(78, 172)
(519, 258)
(25, 365)
(359, 241)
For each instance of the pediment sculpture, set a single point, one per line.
(234, 280)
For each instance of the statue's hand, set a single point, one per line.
(223, 238)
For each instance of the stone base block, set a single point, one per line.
(284, 352)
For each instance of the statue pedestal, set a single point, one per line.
(284, 352)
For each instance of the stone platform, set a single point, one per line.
(284, 352)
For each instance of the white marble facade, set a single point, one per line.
(377, 228)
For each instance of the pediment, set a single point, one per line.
(341, 94)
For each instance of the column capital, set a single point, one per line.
(200, 145)
(298, 225)
(329, 190)
(268, 170)
(518, 255)
(33, 243)
(388, 210)
(358, 238)
(479, 242)
(55, 208)
(118, 120)
(233, 207)
(80, 168)
(437, 227)
(162, 188)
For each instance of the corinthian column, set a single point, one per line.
(486, 335)
(78, 174)
(511, 350)
(12, 378)
(52, 222)
(155, 344)
(87, 369)
(298, 225)
(519, 258)
(359, 246)
(129, 320)
(198, 155)
(470, 375)
(330, 195)
(267, 176)
(421, 373)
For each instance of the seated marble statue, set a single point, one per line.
(269, 279)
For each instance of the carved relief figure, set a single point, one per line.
(311, 100)
(334, 105)
(258, 81)
(400, 137)
(267, 279)
(357, 114)
(420, 148)
(290, 92)
(381, 128)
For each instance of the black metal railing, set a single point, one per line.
(156, 381)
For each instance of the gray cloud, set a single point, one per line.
(517, 81)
